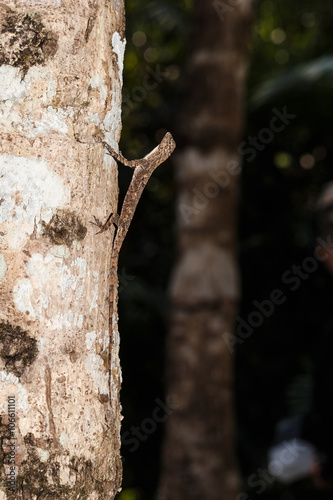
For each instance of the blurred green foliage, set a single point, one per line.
(291, 65)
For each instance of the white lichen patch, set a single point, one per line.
(72, 277)
(28, 301)
(52, 120)
(3, 266)
(65, 320)
(97, 82)
(12, 87)
(64, 439)
(119, 48)
(91, 341)
(66, 474)
(41, 191)
(94, 118)
(92, 338)
(23, 295)
(37, 267)
(105, 340)
(43, 454)
(79, 292)
(94, 495)
(60, 251)
(66, 477)
(17, 239)
(112, 121)
(41, 84)
(29, 293)
(9, 116)
(3, 495)
(54, 3)
(94, 363)
(18, 111)
(32, 295)
(10, 385)
(37, 82)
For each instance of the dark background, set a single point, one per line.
(291, 64)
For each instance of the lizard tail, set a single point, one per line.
(112, 305)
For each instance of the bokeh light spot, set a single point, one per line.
(283, 160)
(278, 36)
(307, 161)
(151, 54)
(139, 38)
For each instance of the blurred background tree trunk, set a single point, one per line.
(199, 449)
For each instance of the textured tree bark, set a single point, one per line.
(199, 457)
(60, 84)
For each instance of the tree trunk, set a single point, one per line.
(199, 457)
(60, 84)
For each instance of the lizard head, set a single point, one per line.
(168, 144)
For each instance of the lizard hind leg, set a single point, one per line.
(112, 219)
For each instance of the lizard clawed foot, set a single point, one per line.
(98, 223)
(112, 219)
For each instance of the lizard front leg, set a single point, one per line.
(119, 157)
(112, 219)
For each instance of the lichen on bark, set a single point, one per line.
(64, 228)
(17, 348)
(25, 41)
(46, 479)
